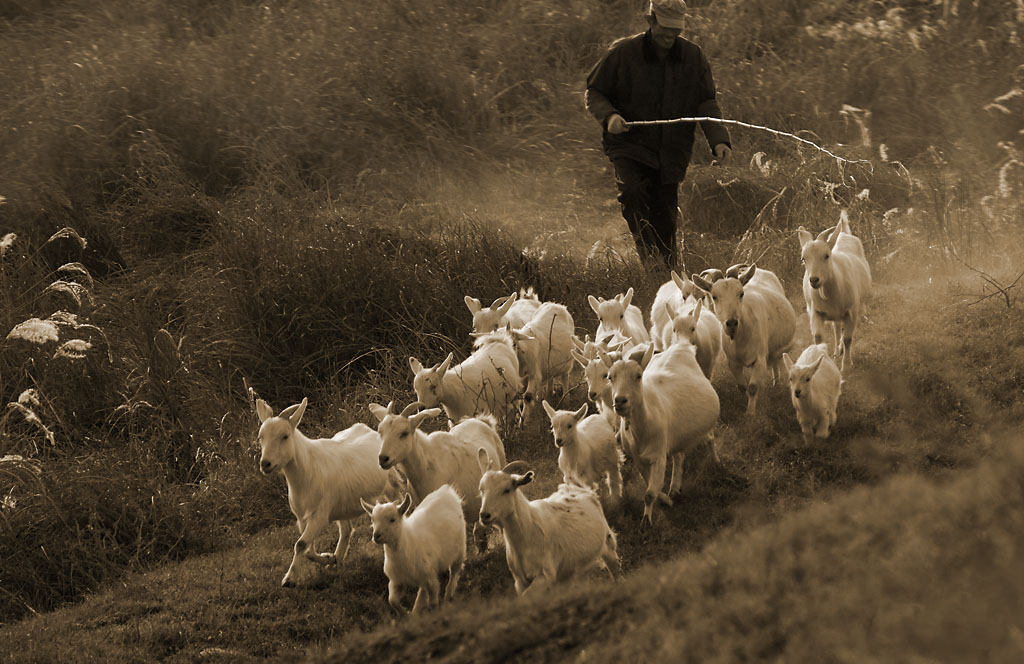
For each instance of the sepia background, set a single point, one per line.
(205, 195)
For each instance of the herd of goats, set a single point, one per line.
(653, 399)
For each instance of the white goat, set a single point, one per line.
(442, 457)
(327, 478)
(587, 453)
(547, 540)
(669, 407)
(677, 292)
(618, 315)
(485, 382)
(698, 327)
(837, 279)
(814, 385)
(543, 347)
(421, 547)
(599, 389)
(759, 325)
(513, 310)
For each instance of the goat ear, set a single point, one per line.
(834, 238)
(580, 358)
(472, 304)
(606, 359)
(403, 509)
(748, 274)
(294, 413)
(696, 311)
(577, 343)
(628, 297)
(804, 236)
(415, 365)
(443, 367)
(680, 281)
(594, 304)
(789, 362)
(701, 282)
(548, 409)
(263, 410)
(823, 236)
(671, 311)
(817, 364)
(367, 507)
(379, 411)
(484, 461)
(581, 412)
(522, 480)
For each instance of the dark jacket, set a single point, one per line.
(630, 80)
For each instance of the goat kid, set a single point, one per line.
(587, 452)
(814, 386)
(618, 315)
(679, 293)
(418, 548)
(700, 328)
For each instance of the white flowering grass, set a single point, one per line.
(35, 330)
(6, 242)
(74, 349)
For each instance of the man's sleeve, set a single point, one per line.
(713, 131)
(600, 88)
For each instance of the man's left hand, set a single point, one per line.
(722, 152)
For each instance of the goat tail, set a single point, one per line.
(528, 293)
(489, 419)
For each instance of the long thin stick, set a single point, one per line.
(638, 123)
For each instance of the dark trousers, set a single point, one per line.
(650, 209)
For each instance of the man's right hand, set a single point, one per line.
(616, 124)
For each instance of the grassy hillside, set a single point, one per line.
(910, 569)
(204, 195)
(872, 543)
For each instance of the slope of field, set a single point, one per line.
(872, 540)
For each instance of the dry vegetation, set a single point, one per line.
(200, 194)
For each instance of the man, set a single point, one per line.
(655, 75)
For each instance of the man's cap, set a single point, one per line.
(669, 13)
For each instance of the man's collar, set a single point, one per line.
(651, 51)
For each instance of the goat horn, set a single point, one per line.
(517, 467)
(412, 409)
(734, 271)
